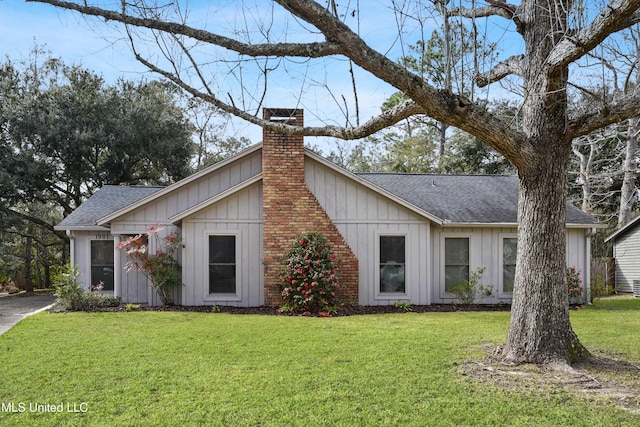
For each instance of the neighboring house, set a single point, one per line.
(626, 251)
(399, 237)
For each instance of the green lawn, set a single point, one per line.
(181, 369)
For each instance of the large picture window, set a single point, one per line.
(102, 264)
(509, 249)
(392, 264)
(222, 264)
(456, 261)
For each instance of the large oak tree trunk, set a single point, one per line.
(540, 330)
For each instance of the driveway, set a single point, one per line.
(15, 308)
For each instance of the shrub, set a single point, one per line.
(467, 291)
(71, 296)
(309, 276)
(69, 292)
(161, 268)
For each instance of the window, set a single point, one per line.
(102, 264)
(392, 264)
(509, 248)
(222, 264)
(456, 261)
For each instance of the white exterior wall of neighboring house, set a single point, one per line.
(626, 251)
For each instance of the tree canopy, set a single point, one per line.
(65, 133)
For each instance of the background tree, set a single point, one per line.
(555, 36)
(209, 125)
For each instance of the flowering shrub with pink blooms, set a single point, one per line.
(309, 275)
(574, 285)
(161, 268)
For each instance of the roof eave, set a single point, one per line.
(81, 228)
(514, 224)
(623, 230)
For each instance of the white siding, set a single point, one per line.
(239, 215)
(627, 254)
(82, 256)
(362, 215)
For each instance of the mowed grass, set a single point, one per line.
(182, 369)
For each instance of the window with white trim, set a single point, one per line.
(222, 264)
(509, 249)
(102, 264)
(392, 264)
(456, 261)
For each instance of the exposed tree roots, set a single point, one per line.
(602, 380)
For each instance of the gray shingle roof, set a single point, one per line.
(484, 199)
(106, 200)
(481, 199)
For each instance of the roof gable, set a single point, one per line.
(628, 227)
(187, 192)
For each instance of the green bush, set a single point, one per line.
(467, 291)
(71, 296)
(309, 275)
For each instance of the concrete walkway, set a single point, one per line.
(15, 308)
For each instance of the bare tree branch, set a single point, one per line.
(614, 17)
(510, 66)
(496, 8)
(307, 50)
(384, 120)
(623, 108)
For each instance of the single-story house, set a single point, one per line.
(399, 237)
(626, 251)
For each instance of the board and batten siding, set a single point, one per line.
(240, 215)
(626, 251)
(188, 195)
(485, 251)
(134, 284)
(362, 216)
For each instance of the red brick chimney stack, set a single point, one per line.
(290, 209)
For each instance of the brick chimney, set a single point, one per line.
(291, 209)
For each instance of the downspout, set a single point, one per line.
(72, 248)
(117, 268)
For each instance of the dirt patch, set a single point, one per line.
(600, 379)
